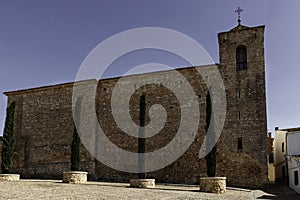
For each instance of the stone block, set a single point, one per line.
(213, 184)
(142, 183)
(9, 177)
(76, 177)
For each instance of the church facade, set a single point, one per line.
(44, 122)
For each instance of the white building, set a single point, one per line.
(287, 156)
(294, 171)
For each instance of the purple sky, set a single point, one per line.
(44, 42)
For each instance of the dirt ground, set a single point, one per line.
(51, 189)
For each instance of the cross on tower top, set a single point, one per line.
(238, 11)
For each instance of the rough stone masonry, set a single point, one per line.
(44, 122)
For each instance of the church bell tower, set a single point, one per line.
(242, 65)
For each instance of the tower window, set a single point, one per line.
(241, 58)
(282, 147)
(240, 144)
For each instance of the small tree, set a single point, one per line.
(211, 157)
(75, 147)
(8, 150)
(142, 139)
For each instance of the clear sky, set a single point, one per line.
(44, 42)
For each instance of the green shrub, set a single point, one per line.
(75, 147)
(141, 139)
(8, 150)
(211, 157)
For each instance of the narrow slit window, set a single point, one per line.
(282, 147)
(240, 144)
(241, 58)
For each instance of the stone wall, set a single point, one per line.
(44, 122)
(43, 133)
(246, 108)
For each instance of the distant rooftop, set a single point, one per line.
(297, 158)
(288, 129)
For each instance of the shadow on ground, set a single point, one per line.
(279, 191)
(157, 187)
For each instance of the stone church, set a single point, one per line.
(44, 121)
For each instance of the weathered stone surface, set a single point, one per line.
(142, 183)
(44, 123)
(9, 177)
(213, 184)
(54, 189)
(76, 177)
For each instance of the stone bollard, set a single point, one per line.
(76, 177)
(142, 183)
(213, 184)
(9, 177)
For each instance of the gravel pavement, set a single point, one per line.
(51, 189)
